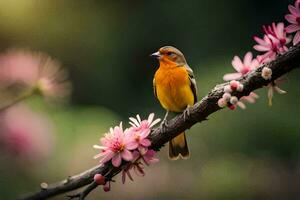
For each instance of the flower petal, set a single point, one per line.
(296, 39)
(231, 76)
(107, 157)
(99, 147)
(292, 28)
(279, 91)
(150, 118)
(137, 124)
(132, 145)
(139, 118)
(127, 155)
(261, 48)
(247, 59)
(237, 63)
(116, 160)
(145, 142)
(145, 133)
(294, 10)
(291, 18)
(241, 105)
(155, 122)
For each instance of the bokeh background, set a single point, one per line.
(105, 46)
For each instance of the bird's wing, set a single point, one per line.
(193, 82)
(154, 88)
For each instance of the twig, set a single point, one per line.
(18, 99)
(198, 113)
(84, 193)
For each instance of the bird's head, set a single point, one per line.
(169, 55)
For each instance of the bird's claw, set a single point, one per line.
(164, 125)
(186, 113)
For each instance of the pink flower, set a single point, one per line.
(274, 42)
(115, 146)
(140, 131)
(242, 67)
(294, 19)
(148, 157)
(145, 125)
(34, 71)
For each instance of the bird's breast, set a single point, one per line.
(173, 88)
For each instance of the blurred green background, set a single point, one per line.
(105, 45)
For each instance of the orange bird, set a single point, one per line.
(175, 87)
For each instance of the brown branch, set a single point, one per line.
(198, 113)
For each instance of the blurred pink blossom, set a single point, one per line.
(242, 67)
(294, 19)
(251, 98)
(24, 134)
(273, 42)
(34, 70)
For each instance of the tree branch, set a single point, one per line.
(198, 113)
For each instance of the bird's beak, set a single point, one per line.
(156, 55)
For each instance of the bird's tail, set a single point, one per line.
(178, 147)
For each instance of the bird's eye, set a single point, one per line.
(169, 53)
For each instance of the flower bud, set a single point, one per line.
(240, 87)
(266, 73)
(226, 96)
(232, 107)
(99, 179)
(222, 103)
(106, 187)
(233, 100)
(234, 85)
(227, 89)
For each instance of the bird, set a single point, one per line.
(175, 87)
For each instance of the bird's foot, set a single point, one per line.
(186, 113)
(164, 125)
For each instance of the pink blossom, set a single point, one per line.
(25, 135)
(139, 125)
(274, 42)
(242, 67)
(138, 167)
(149, 157)
(115, 146)
(140, 131)
(294, 19)
(34, 71)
